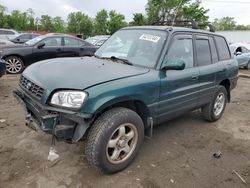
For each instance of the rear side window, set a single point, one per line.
(203, 52)
(222, 47)
(71, 42)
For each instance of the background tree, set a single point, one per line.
(58, 24)
(168, 10)
(80, 23)
(138, 20)
(101, 23)
(116, 21)
(226, 23)
(46, 23)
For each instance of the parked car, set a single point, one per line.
(24, 37)
(242, 54)
(44, 47)
(8, 33)
(2, 67)
(98, 40)
(120, 94)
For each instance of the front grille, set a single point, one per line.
(31, 87)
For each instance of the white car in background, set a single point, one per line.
(242, 54)
(8, 33)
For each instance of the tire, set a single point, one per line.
(14, 65)
(209, 111)
(108, 129)
(247, 66)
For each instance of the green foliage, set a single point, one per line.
(80, 23)
(228, 23)
(101, 23)
(46, 23)
(168, 10)
(116, 21)
(138, 20)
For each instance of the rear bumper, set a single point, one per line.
(2, 67)
(65, 125)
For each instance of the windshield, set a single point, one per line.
(232, 48)
(34, 40)
(139, 47)
(92, 40)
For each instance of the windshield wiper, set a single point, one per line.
(125, 61)
(114, 58)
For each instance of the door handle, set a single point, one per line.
(196, 77)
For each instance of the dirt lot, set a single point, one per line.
(179, 155)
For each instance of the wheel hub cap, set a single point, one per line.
(219, 104)
(122, 143)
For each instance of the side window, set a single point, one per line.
(203, 52)
(213, 50)
(25, 37)
(52, 41)
(222, 47)
(182, 48)
(244, 50)
(71, 42)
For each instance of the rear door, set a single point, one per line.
(51, 49)
(179, 89)
(74, 47)
(209, 66)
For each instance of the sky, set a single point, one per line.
(240, 9)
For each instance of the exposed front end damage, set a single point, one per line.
(63, 124)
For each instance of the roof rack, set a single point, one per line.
(186, 23)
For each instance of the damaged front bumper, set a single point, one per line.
(63, 124)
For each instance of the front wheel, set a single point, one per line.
(14, 65)
(214, 110)
(114, 140)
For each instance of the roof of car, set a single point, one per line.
(170, 28)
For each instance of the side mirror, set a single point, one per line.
(40, 45)
(174, 64)
(238, 53)
(18, 39)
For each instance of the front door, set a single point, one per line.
(51, 49)
(179, 88)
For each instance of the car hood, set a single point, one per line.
(78, 73)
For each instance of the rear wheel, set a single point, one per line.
(14, 65)
(114, 140)
(214, 110)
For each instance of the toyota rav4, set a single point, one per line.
(141, 77)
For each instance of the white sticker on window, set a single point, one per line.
(150, 38)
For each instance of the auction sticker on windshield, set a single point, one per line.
(151, 38)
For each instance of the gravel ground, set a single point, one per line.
(180, 154)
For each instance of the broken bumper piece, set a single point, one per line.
(65, 125)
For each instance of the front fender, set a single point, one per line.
(143, 88)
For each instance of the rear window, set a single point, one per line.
(223, 50)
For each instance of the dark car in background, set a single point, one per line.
(242, 54)
(2, 68)
(44, 47)
(24, 37)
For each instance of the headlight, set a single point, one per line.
(69, 99)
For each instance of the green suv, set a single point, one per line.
(141, 77)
